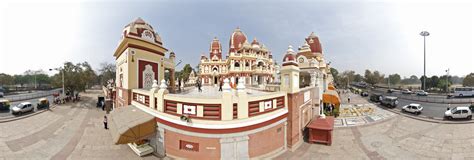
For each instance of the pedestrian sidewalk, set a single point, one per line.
(359, 112)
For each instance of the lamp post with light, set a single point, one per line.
(424, 34)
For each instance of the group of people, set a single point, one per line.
(62, 100)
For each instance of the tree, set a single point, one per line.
(6, 79)
(106, 72)
(77, 77)
(88, 75)
(373, 78)
(184, 74)
(468, 80)
(358, 78)
(335, 75)
(347, 77)
(394, 79)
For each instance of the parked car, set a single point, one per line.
(4, 104)
(2, 92)
(364, 94)
(376, 97)
(421, 93)
(390, 90)
(458, 113)
(413, 108)
(389, 101)
(42, 103)
(22, 108)
(406, 91)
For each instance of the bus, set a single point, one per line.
(463, 91)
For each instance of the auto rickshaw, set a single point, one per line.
(4, 105)
(42, 103)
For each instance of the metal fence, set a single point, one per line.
(27, 96)
(429, 99)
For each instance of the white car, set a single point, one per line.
(421, 93)
(413, 108)
(22, 108)
(458, 113)
(406, 91)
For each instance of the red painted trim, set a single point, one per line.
(221, 131)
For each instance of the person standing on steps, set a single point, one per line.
(349, 99)
(105, 122)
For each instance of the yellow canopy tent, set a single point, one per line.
(331, 97)
(130, 124)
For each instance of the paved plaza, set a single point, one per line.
(76, 132)
(359, 112)
(71, 131)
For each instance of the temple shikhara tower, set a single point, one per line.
(261, 112)
(140, 59)
(251, 61)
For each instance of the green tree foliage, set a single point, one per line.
(468, 80)
(77, 77)
(106, 72)
(347, 77)
(358, 78)
(184, 74)
(373, 78)
(394, 79)
(6, 79)
(335, 75)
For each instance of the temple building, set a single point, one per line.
(250, 61)
(140, 59)
(240, 122)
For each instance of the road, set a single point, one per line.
(8, 114)
(36, 94)
(430, 110)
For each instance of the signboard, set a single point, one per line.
(189, 109)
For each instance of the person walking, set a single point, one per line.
(199, 86)
(220, 86)
(105, 122)
(349, 99)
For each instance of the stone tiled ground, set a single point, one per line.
(396, 138)
(72, 131)
(75, 132)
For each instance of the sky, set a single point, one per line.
(355, 35)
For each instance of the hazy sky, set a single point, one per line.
(355, 35)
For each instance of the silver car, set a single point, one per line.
(22, 108)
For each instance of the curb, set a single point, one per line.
(25, 116)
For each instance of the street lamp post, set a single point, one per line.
(447, 82)
(424, 34)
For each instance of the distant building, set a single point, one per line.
(251, 61)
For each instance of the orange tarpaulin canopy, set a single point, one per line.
(331, 87)
(331, 97)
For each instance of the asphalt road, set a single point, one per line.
(8, 114)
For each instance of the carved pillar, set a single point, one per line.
(313, 79)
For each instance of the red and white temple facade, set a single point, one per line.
(250, 61)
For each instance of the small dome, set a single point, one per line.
(255, 44)
(290, 57)
(140, 29)
(236, 40)
(314, 44)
